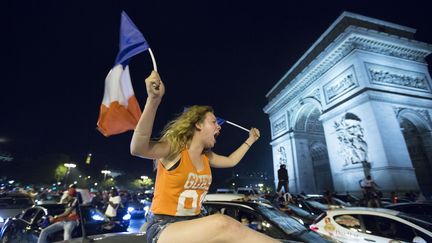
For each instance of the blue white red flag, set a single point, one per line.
(120, 111)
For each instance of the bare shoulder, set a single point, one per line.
(168, 163)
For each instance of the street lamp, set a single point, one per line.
(105, 172)
(68, 166)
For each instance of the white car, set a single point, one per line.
(360, 224)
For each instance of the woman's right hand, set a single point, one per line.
(155, 87)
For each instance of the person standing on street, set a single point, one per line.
(113, 204)
(282, 179)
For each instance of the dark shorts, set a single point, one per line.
(156, 223)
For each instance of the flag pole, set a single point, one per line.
(232, 123)
(153, 59)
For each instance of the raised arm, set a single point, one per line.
(141, 145)
(220, 161)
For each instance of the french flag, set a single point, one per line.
(120, 111)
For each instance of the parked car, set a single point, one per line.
(372, 225)
(386, 201)
(304, 217)
(248, 191)
(26, 226)
(331, 202)
(259, 216)
(419, 210)
(225, 190)
(348, 198)
(137, 209)
(47, 198)
(12, 204)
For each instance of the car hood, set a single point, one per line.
(122, 237)
(10, 212)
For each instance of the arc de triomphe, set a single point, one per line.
(358, 102)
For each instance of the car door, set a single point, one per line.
(23, 228)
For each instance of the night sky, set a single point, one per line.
(228, 54)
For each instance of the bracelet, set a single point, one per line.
(247, 144)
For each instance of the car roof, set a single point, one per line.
(363, 210)
(409, 204)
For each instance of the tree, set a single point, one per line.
(108, 183)
(148, 182)
(60, 172)
(141, 183)
(137, 184)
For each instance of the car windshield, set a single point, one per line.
(419, 222)
(15, 202)
(285, 222)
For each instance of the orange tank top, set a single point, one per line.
(180, 192)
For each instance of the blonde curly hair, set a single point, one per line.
(178, 132)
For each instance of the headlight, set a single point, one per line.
(97, 217)
(130, 209)
(126, 217)
(1, 219)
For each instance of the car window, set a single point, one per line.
(351, 222)
(248, 218)
(29, 214)
(420, 222)
(388, 228)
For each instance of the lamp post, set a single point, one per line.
(105, 172)
(68, 166)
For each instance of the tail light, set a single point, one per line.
(313, 227)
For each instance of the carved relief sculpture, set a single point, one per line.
(351, 139)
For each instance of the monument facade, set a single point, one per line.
(357, 103)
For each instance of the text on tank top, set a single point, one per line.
(180, 192)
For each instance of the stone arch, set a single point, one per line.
(416, 118)
(321, 166)
(309, 131)
(417, 134)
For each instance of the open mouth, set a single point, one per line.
(216, 134)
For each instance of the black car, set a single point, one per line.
(12, 204)
(303, 216)
(418, 210)
(264, 218)
(26, 226)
